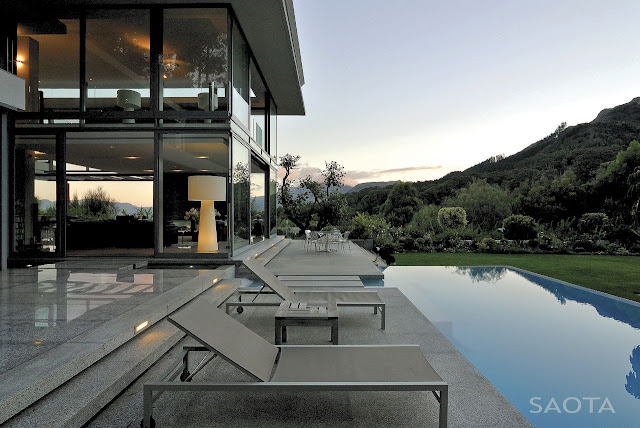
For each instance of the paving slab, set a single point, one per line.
(295, 260)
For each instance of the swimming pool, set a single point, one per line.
(562, 354)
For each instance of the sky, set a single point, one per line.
(414, 89)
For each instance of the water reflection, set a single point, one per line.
(633, 378)
(477, 274)
(607, 306)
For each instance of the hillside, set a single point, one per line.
(581, 149)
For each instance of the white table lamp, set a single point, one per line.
(207, 189)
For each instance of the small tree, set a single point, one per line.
(454, 218)
(401, 204)
(594, 224)
(520, 227)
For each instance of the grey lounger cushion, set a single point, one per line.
(285, 293)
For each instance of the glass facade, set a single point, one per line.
(273, 129)
(258, 107)
(118, 60)
(186, 155)
(273, 216)
(240, 57)
(109, 192)
(259, 201)
(164, 68)
(35, 225)
(240, 175)
(48, 58)
(196, 50)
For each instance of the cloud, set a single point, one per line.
(353, 177)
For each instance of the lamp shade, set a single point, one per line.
(207, 188)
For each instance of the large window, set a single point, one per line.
(240, 181)
(195, 59)
(259, 200)
(184, 156)
(48, 58)
(34, 222)
(258, 107)
(118, 60)
(240, 57)
(110, 193)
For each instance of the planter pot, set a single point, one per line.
(367, 244)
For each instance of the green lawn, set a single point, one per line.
(617, 275)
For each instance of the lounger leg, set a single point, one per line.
(334, 333)
(284, 333)
(444, 404)
(147, 394)
(278, 339)
(375, 310)
(383, 310)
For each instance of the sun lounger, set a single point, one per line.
(342, 298)
(291, 368)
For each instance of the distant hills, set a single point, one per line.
(581, 148)
(127, 207)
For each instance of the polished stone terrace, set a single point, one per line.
(44, 307)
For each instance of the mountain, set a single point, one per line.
(581, 148)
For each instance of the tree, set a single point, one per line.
(98, 205)
(315, 201)
(520, 227)
(634, 194)
(425, 221)
(486, 205)
(454, 218)
(401, 204)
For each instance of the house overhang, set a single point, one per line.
(269, 25)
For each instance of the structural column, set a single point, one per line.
(4, 190)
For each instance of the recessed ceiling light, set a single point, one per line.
(38, 152)
(148, 170)
(133, 157)
(177, 170)
(205, 170)
(202, 157)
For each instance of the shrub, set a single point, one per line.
(593, 224)
(425, 221)
(488, 245)
(452, 218)
(520, 227)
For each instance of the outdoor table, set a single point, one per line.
(324, 240)
(302, 314)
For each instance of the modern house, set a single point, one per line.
(133, 119)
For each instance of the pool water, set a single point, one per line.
(562, 354)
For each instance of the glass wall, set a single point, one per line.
(118, 60)
(240, 56)
(258, 107)
(240, 181)
(110, 193)
(48, 58)
(259, 200)
(273, 129)
(195, 59)
(273, 216)
(34, 222)
(186, 155)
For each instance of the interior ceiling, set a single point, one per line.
(128, 154)
(278, 54)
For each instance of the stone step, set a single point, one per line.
(78, 400)
(25, 384)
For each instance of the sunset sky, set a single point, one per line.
(414, 89)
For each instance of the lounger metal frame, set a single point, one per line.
(257, 291)
(181, 371)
